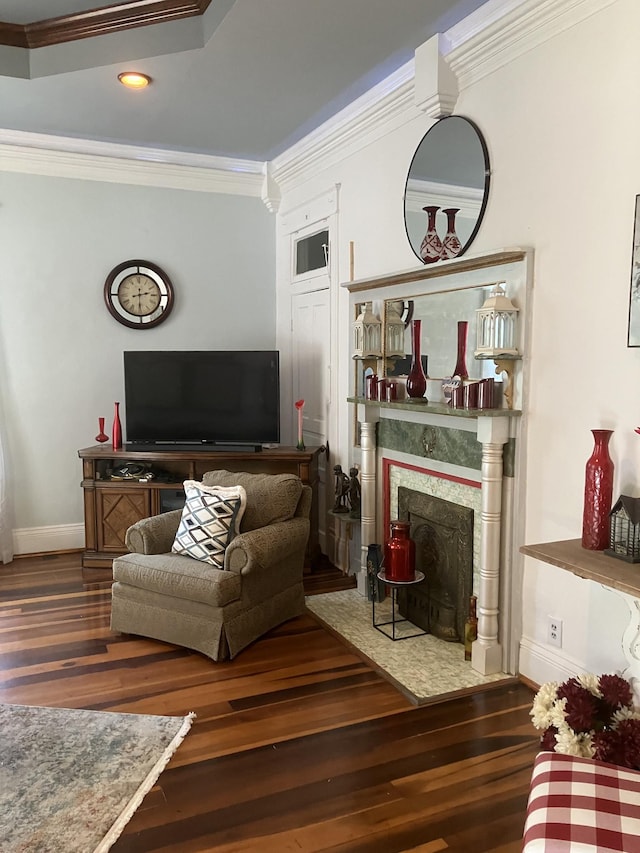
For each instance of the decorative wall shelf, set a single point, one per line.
(591, 565)
(621, 577)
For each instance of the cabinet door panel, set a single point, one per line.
(116, 512)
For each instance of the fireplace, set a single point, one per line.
(443, 534)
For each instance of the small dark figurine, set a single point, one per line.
(341, 491)
(354, 493)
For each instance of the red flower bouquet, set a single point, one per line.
(590, 716)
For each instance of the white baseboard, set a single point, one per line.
(540, 663)
(36, 540)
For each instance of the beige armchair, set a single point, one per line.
(190, 603)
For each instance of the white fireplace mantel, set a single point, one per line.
(493, 431)
(499, 565)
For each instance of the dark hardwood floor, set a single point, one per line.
(298, 744)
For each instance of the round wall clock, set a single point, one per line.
(138, 294)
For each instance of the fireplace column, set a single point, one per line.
(486, 652)
(368, 417)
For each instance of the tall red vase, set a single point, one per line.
(116, 431)
(461, 362)
(101, 436)
(598, 493)
(400, 553)
(416, 379)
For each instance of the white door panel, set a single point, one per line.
(311, 336)
(311, 358)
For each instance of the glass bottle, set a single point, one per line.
(471, 627)
(400, 553)
(598, 493)
(431, 246)
(416, 380)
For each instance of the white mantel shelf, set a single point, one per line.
(421, 406)
(455, 266)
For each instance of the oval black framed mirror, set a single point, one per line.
(447, 188)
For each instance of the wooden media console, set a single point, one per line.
(113, 504)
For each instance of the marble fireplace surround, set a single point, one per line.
(482, 449)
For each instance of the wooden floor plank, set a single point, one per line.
(298, 745)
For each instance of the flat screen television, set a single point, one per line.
(208, 399)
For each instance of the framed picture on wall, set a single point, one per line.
(634, 297)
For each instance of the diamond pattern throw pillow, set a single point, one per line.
(210, 520)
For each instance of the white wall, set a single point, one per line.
(60, 349)
(562, 135)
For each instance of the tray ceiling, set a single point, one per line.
(238, 78)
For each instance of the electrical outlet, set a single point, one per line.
(554, 632)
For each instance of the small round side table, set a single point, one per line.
(394, 621)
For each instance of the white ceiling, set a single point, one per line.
(246, 79)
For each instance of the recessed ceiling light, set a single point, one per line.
(134, 80)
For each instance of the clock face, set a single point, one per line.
(138, 294)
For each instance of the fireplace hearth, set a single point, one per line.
(443, 534)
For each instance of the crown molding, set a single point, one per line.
(382, 109)
(496, 34)
(420, 193)
(99, 22)
(510, 29)
(435, 84)
(61, 157)
(499, 32)
(271, 195)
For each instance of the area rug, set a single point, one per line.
(424, 668)
(70, 780)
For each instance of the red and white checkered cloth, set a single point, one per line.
(583, 806)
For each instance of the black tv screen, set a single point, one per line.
(202, 398)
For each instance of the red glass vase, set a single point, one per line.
(400, 553)
(416, 379)
(116, 430)
(431, 246)
(461, 362)
(598, 493)
(101, 436)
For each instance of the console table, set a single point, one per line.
(111, 505)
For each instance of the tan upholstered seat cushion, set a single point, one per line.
(270, 497)
(178, 576)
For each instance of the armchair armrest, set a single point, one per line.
(265, 546)
(154, 535)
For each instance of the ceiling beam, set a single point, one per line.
(99, 22)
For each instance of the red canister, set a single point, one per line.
(400, 553)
